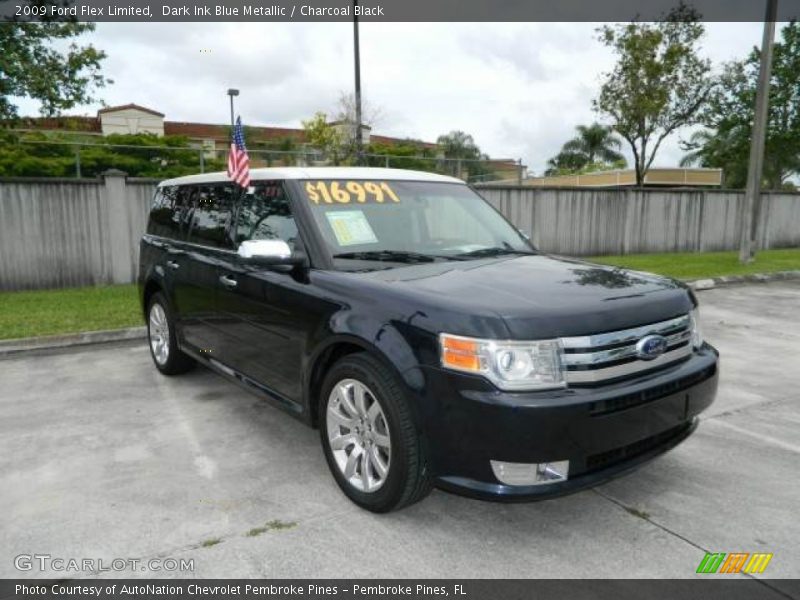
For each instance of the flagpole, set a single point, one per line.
(237, 194)
(232, 93)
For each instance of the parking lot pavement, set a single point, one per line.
(101, 457)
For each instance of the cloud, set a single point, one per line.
(519, 88)
(517, 48)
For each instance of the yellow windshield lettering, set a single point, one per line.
(349, 192)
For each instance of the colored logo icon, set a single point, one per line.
(735, 562)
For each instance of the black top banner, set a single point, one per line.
(385, 10)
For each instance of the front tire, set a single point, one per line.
(372, 446)
(162, 338)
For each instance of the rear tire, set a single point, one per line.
(372, 446)
(162, 338)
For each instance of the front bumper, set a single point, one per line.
(603, 430)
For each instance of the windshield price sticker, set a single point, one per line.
(350, 192)
(351, 227)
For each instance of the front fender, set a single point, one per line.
(383, 340)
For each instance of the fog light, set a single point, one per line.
(530, 473)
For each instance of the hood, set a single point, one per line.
(542, 296)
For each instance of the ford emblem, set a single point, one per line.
(651, 347)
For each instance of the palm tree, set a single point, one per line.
(458, 144)
(726, 150)
(696, 146)
(594, 144)
(597, 143)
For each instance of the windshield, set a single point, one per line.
(407, 222)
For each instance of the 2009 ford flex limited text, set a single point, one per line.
(424, 336)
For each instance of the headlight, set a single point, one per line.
(697, 336)
(510, 366)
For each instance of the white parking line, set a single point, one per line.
(764, 438)
(203, 464)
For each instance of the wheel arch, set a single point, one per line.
(327, 355)
(151, 287)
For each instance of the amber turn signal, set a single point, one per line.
(459, 353)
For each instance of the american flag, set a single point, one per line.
(238, 161)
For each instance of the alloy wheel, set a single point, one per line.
(358, 435)
(159, 334)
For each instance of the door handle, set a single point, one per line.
(228, 282)
(172, 264)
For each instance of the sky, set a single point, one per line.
(519, 88)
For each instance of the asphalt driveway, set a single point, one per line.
(102, 457)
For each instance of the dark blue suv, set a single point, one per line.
(425, 337)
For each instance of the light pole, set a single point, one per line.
(232, 93)
(748, 232)
(357, 59)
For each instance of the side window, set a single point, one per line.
(161, 221)
(183, 210)
(211, 215)
(265, 215)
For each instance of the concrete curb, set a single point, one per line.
(26, 345)
(710, 284)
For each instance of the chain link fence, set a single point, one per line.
(78, 159)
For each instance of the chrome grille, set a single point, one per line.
(605, 356)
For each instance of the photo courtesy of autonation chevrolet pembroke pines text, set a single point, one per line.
(381, 299)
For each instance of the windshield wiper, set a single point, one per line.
(389, 256)
(405, 256)
(492, 251)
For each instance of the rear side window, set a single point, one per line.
(265, 214)
(211, 216)
(163, 221)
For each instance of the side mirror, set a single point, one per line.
(268, 252)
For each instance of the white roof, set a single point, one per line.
(318, 173)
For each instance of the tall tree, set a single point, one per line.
(658, 83)
(594, 146)
(728, 117)
(31, 66)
